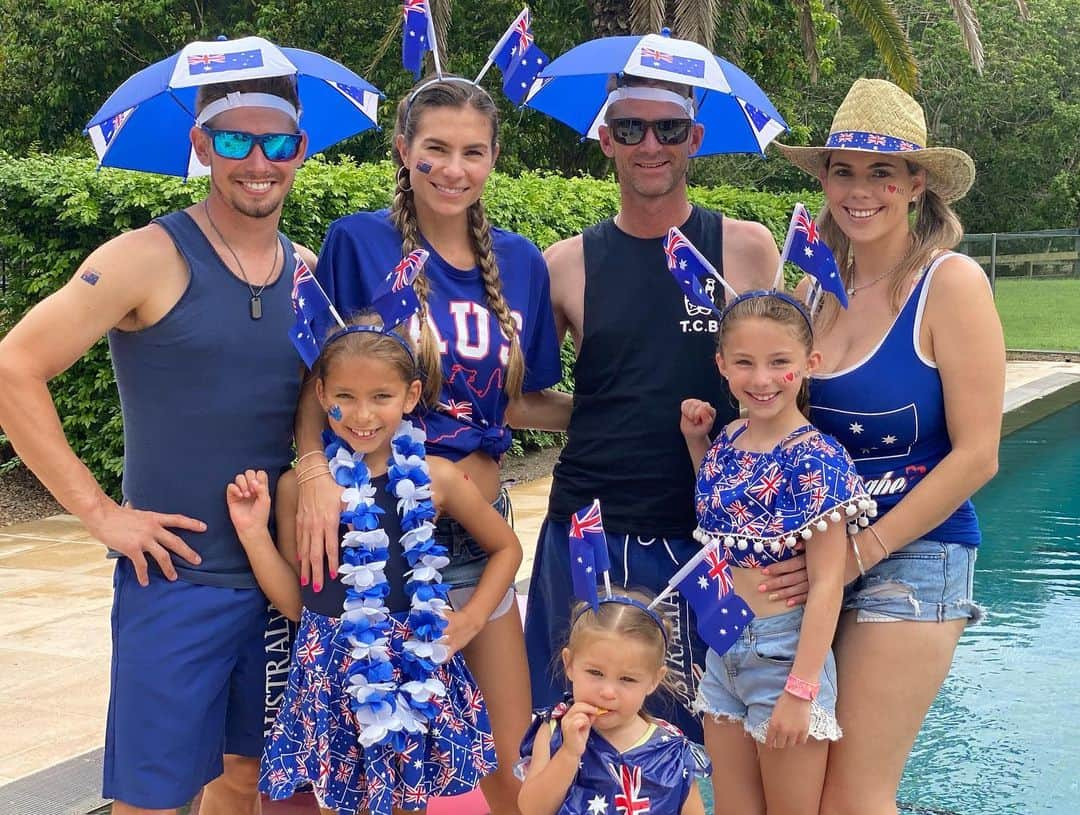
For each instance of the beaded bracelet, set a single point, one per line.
(801, 689)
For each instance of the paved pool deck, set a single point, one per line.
(56, 589)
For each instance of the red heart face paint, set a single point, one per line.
(894, 189)
(789, 376)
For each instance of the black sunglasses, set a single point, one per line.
(667, 131)
(238, 144)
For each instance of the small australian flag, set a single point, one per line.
(807, 251)
(588, 524)
(583, 571)
(688, 268)
(313, 313)
(216, 63)
(721, 613)
(519, 58)
(416, 35)
(663, 61)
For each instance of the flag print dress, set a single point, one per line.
(315, 739)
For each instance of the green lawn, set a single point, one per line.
(1040, 314)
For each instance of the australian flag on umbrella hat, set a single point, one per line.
(145, 123)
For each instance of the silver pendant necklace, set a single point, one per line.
(255, 303)
(853, 289)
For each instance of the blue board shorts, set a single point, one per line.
(189, 682)
(636, 562)
(926, 581)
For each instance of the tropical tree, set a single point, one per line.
(699, 20)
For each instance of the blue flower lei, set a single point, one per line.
(388, 709)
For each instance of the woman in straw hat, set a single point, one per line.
(911, 382)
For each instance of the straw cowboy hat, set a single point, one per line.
(878, 117)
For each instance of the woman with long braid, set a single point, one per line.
(487, 351)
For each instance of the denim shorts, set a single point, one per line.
(926, 581)
(744, 684)
(467, 557)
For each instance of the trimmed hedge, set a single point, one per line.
(54, 210)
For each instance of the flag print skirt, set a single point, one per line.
(314, 739)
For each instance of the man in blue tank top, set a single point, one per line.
(642, 348)
(197, 310)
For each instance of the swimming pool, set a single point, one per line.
(1003, 737)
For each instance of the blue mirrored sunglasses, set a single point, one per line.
(238, 144)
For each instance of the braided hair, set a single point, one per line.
(454, 93)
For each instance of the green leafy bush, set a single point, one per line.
(54, 210)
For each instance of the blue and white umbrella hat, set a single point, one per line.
(144, 125)
(737, 115)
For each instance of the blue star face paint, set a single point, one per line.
(423, 166)
(334, 413)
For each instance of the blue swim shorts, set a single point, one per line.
(926, 581)
(189, 680)
(744, 684)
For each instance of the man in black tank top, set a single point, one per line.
(642, 348)
(197, 308)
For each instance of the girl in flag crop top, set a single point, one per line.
(487, 347)
(770, 482)
(912, 384)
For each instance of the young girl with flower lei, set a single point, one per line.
(380, 711)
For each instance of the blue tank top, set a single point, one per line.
(330, 602)
(889, 412)
(358, 253)
(207, 392)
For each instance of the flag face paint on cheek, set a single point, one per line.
(423, 166)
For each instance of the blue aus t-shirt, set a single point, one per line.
(362, 249)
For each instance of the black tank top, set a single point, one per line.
(644, 349)
(330, 601)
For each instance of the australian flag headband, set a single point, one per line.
(623, 600)
(515, 54)
(802, 246)
(394, 301)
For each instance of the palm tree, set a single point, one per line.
(698, 20)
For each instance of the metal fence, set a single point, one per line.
(1050, 253)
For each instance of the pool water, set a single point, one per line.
(1003, 737)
